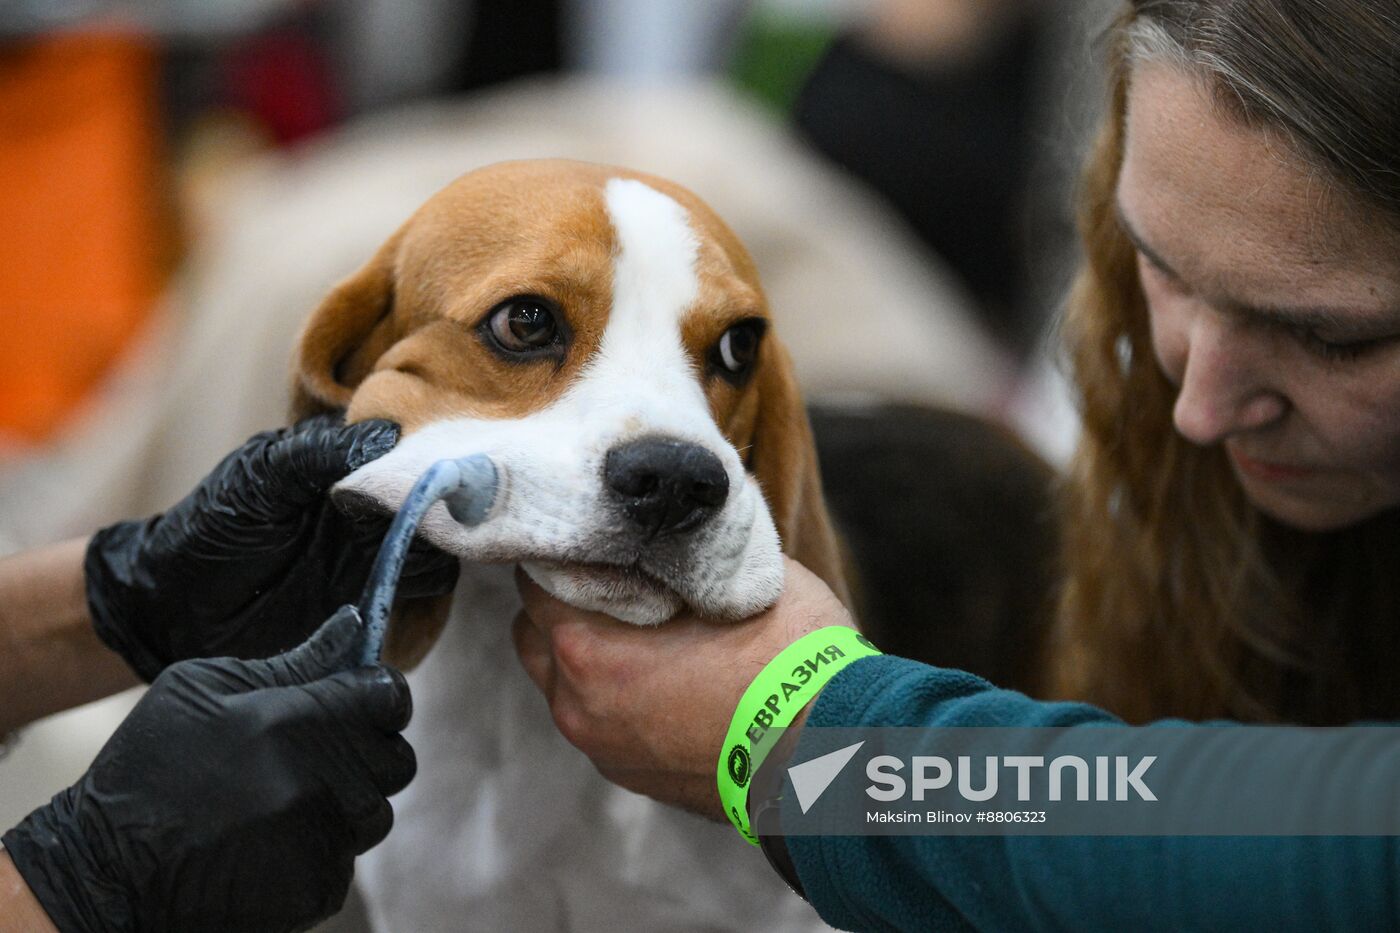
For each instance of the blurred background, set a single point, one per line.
(181, 180)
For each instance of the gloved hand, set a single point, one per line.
(234, 797)
(246, 564)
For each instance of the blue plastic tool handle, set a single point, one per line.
(469, 486)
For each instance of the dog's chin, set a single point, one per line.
(621, 592)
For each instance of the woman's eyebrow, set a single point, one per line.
(1344, 322)
(1340, 324)
(1139, 244)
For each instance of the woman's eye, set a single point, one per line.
(1150, 272)
(737, 349)
(524, 324)
(1336, 352)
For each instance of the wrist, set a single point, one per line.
(766, 802)
(20, 910)
(776, 699)
(112, 579)
(47, 638)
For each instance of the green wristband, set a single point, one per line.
(773, 700)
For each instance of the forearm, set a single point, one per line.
(50, 657)
(19, 910)
(1067, 882)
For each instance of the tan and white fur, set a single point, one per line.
(506, 826)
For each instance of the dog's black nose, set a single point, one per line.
(666, 486)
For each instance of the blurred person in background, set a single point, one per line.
(935, 104)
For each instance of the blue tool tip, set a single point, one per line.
(475, 491)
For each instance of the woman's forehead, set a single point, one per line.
(1235, 209)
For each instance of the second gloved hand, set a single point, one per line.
(246, 564)
(234, 798)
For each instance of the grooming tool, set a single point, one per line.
(468, 487)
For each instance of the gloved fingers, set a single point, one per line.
(361, 770)
(368, 830)
(329, 649)
(370, 705)
(376, 696)
(378, 763)
(328, 894)
(356, 765)
(310, 457)
(367, 440)
(396, 768)
(352, 801)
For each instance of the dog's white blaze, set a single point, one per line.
(654, 278)
(654, 284)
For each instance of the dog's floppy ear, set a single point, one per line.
(414, 627)
(339, 346)
(784, 460)
(346, 334)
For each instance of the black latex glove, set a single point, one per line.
(247, 564)
(234, 797)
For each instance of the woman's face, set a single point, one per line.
(1274, 302)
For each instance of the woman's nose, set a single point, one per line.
(1225, 381)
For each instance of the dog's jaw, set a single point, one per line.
(718, 581)
(621, 593)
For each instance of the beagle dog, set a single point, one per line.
(604, 337)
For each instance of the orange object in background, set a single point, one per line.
(82, 254)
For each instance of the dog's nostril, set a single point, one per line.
(711, 491)
(666, 485)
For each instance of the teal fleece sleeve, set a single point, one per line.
(1082, 883)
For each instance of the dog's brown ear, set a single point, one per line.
(414, 627)
(784, 460)
(346, 334)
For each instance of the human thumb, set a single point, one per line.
(312, 456)
(330, 649)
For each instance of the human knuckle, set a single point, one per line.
(573, 723)
(575, 651)
(405, 764)
(522, 633)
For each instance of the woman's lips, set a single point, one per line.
(1266, 471)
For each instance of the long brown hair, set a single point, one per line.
(1180, 598)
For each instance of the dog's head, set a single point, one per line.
(604, 337)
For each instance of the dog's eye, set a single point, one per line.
(524, 324)
(738, 348)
